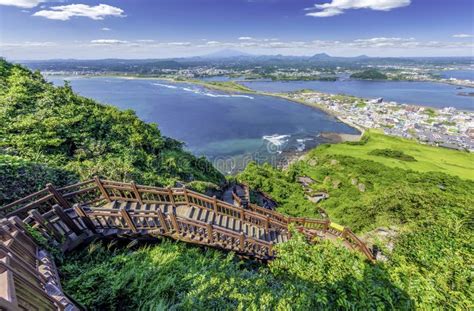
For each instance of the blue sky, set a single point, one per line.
(36, 29)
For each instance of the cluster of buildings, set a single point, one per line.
(447, 127)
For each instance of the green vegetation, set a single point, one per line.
(430, 256)
(47, 130)
(225, 86)
(369, 74)
(429, 267)
(20, 177)
(395, 154)
(428, 158)
(430, 112)
(50, 134)
(229, 86)
(449, 123)
(176, 276)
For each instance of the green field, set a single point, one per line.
(428, 158)
(225, 86)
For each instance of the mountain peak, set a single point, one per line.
(321, 56)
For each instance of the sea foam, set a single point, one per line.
(277, 140)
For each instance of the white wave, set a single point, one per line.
(302, 140)
(166, 85)
(301, 143)
(276, 139)
(190, 90)
(242, 96)
(200, 92)
(214, 95)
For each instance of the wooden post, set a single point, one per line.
(161, 217)
(214, 204)
(18, 223)
(186, 199)
(174, 222)
(267, 223)
(270, 249)
(136, 192)
(125, 215)
(242, 215)
(210, 234)
(104, 192)
(45, 224)
(58, 197)
(241, 241)
(7, 284)
(171, 195)
(85, 219)
(58, 210)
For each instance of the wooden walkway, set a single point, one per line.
(70, 216)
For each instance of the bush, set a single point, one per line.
(394, 154)
(173, 275)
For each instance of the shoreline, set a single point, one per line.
(319, 107)
(207, 84)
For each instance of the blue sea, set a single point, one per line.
(228, 129)
(437, 95)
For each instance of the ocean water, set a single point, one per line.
(458, 74)
(437, 95)
(229, 129)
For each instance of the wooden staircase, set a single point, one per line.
(70, 216)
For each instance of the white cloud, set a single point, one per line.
(146, 41)
(28, 4)
(463, 35)
(106, 29)
(179, 43)
(65, 12)
(28, 44)
(337, 7)
(212, 42)
(108, 42)
(245, 38)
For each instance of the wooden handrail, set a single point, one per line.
(101, 190)
(49, 211)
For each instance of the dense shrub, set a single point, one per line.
(172, 275)
(394, 154)
(19, 178)
(56, 128)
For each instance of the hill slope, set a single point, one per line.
(428, 158)
(422, 220)
(52, 128)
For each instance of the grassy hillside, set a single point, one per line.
(428, 158)
(44, 128)
(428, 264)
(426, 217)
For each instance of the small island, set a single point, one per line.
(369, 74)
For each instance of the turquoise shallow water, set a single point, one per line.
(225, 128)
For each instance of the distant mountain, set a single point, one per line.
(321, 56)
(226, 54)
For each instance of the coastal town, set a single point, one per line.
(447, 127)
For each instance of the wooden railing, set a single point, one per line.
(97, 192)
(71, 215)
(28, 276)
